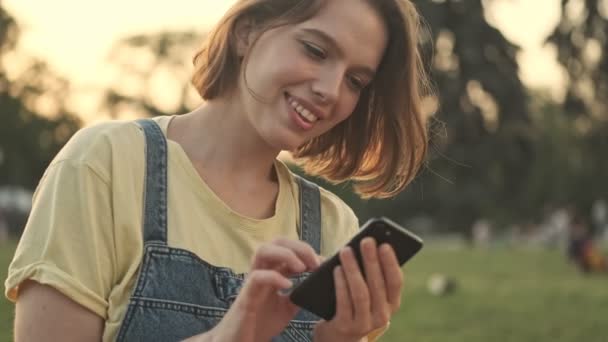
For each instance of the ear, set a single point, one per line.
(244, 32)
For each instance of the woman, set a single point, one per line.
(145, 230)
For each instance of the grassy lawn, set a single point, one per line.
(6, 308)
(502, 295)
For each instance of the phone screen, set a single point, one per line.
(316, 293)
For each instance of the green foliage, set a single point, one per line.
(581, 40)
(35, 122)
(7, 249)
(167, 56)
(481, 144)
(29, 141)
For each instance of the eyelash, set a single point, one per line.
(314, 51)
(356, 83)
(319, 54)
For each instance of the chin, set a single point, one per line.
(285, 143)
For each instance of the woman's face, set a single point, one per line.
(310, 75)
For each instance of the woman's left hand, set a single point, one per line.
(363, 304)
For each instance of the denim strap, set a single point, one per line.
(310, 213)
(155, 191)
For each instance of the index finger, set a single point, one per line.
(303, 251)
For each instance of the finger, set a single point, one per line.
(284, 260)
(258, 284)
(303, 250)
(357, 287)
(344, 307)
(393, 276)
(381, 310)
(259, 279)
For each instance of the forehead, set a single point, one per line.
(357, 28)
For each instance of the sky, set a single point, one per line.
(75, 36)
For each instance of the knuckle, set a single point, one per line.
(254, 276)
(308, 248)
(262, 250)
(281, 241)
(364, 328)
(382, 318)
(362, 297)
(395, 307)
(343, 329)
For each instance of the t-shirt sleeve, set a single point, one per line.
(68, 241)
(338, 225)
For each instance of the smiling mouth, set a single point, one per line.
(302, 111)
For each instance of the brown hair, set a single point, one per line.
(382, 145)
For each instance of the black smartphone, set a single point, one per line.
(317, 293)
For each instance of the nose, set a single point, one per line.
(326, 87)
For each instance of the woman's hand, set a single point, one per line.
(260, 311)
(363, 304)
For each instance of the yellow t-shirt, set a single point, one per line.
(84, 235)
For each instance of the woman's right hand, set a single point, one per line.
(260, 312)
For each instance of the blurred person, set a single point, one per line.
(599, 215)
(554, 230)
(482, 233)
(187, 226)
(582, 250)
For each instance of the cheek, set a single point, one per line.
(272, 68)
(291, 70)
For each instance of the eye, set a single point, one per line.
(356, 83)
(314, 51)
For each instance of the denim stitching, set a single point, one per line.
(198, 310)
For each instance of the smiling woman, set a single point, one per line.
(225, 225)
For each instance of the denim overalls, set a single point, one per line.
(177, 295)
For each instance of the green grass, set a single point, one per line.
(7, 249)
(502, 295)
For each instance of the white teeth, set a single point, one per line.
(305, 113)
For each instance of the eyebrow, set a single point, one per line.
(331, 41)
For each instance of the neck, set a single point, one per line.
(218, 138)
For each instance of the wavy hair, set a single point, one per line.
(383, 144)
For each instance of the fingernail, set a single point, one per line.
(369, 241)
(385, 248)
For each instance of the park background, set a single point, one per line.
(519, 134)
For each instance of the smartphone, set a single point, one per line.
(317, 293)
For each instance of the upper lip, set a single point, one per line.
(312, 108)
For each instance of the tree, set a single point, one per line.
(581, 40)
(35, 121)
(482, 136)
(481, 141)
(160, 58)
